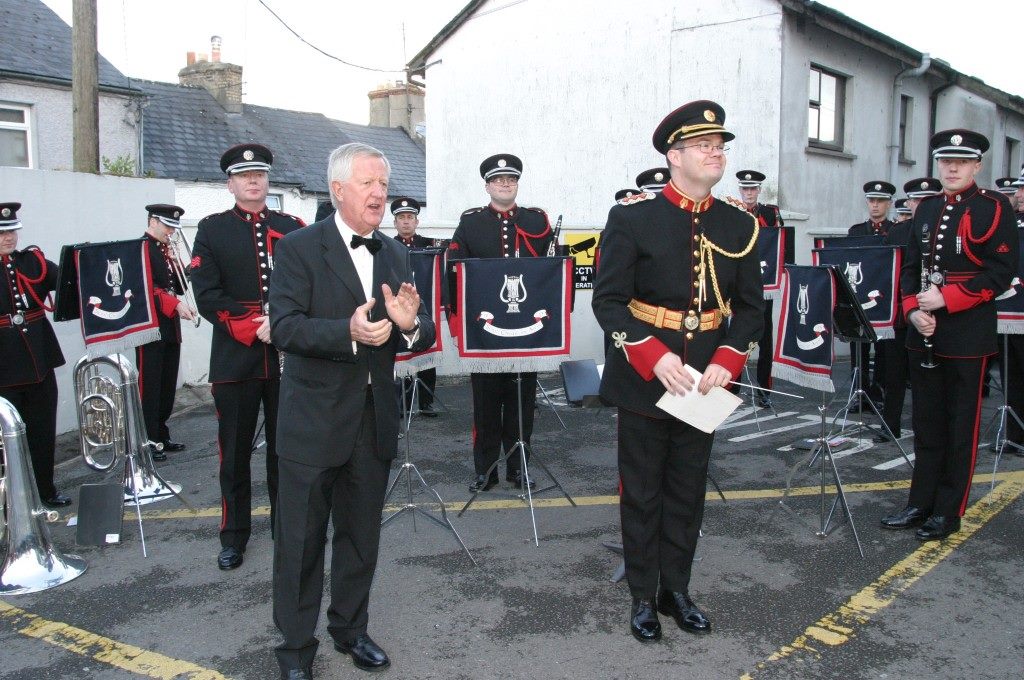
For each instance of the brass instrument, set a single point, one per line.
(32, 563)
(112, 430)
(181, 261)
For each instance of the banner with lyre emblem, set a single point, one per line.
(426, 275)
(874, 276)
(803, 340)
(771, 249)
(513, 314)
(115, 296)
(1010, 305)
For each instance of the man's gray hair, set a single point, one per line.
(339, 165)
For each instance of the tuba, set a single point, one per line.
(111, 428)
(181, 261)
(32, 563)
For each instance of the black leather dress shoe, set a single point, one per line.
(643, 621)
(684, 610)
(57, 500)
(428, 411)
(229, 558)
(764, 401)
(158, 456)
(482, 483)
(173, 447)
(907, 518)
(516, 479)
(366, 654)
(938, 527)
(297, 674)
(884, 438)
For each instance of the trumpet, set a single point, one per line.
(32, 563)
(181, 261)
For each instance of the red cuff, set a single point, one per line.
(959, 298)
(167, 303)
(240, 328)
(730, 359)
(644, 354)
(909, 304)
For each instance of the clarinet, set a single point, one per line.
(929, 346)
(552, 247)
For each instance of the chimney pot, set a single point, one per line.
(190, 58)
(215, 43)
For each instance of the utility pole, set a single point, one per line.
(85, 115)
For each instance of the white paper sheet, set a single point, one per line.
(704, 411)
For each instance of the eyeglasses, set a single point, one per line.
(505, 179)
(707, 147)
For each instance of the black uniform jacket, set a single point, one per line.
(768, 215)
(323, 388)
(899, 235)
(971, 239)
(486, 232)
(651, 253)
(870, 228)
(166, 288)
(416, 241)
(231, 264)
(28, 351)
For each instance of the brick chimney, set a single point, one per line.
(223, 81)
(397, 104)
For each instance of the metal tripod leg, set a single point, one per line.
(551, 405)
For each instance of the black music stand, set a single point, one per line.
(1002, 416)
(849, 322)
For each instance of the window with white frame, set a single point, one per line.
(275, 201)
(15, 136)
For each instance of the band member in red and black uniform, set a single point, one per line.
(652, 180)
(679, 284)
(158, 360)
(879, 195)
(920, 188)
(407, 219)
(231, 264)
(1007, 187)
(500, 229)
(903, 212)
(767, 215)
(29, 348)
(962, 253)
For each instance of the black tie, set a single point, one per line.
(372, 244)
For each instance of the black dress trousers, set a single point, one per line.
(496, 417)
(765, 348)
(158, 376)
(37, 405)
(895, 379)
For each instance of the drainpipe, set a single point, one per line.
(894, 121)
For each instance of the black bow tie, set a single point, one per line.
(372, 244)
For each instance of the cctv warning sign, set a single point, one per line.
(582, 247)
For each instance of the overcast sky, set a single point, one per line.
(149, 40)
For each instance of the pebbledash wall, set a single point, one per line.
(51, 219)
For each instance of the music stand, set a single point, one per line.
(849, 322)
(851, 325)
(407, 470)
(1002, 416)
(524, 478)
(551, 405)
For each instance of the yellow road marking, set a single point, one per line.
(838, 627)
(738, 495)
(127, 657)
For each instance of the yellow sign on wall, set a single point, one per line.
(582, 246)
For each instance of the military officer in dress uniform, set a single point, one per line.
(879, 195)
(962, 253)
(679, 284)
(29, 348)
(231, 265)
(652, 180)
(903, 211)
(407, 219)
(157, 361)
(500, 229)
(767, 215)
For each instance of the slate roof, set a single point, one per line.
(36, 44)
(185, 131)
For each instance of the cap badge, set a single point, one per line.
(658, 176)
(956, 140)
(709, 115)
(878, 187)
(248, 154)
(502, 162)
(924, 185)
(176, 214)
(6, 212)
(746, 176)
(405, 204)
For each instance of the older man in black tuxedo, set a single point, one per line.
(335, 315)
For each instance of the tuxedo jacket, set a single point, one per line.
(315, 292)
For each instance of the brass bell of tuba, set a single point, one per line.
(32, 563)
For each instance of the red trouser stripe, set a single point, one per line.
(974, 441)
